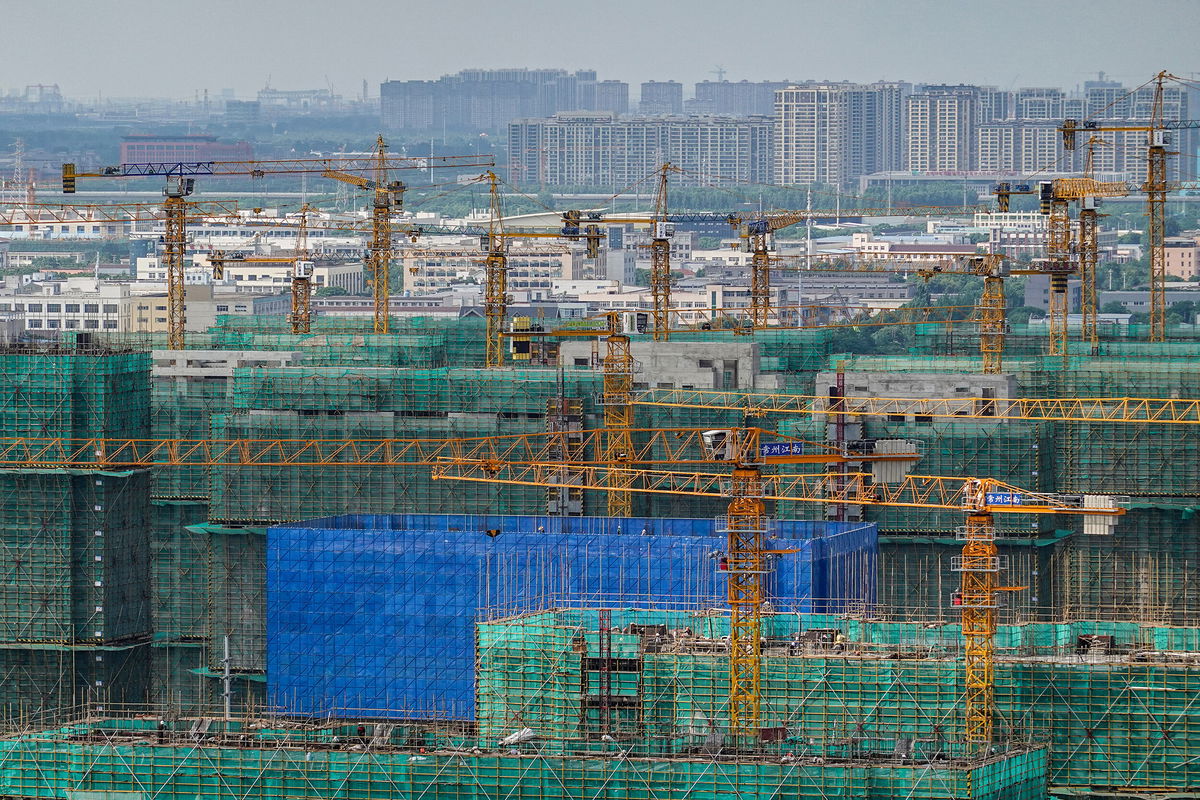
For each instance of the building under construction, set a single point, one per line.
(198, 621)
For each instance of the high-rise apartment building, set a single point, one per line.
(941, 128)
(1038, 103)
(612, 96)
(1020, 146)
(811, 133)
(993, 104)
(876, 122)
(595, 149)
(661, 97)
(833, 132)
(484, 100)
(741, 98)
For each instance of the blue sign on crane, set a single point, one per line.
(780, 449)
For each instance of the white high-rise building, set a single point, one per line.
(941, 128)
(833, 132)
(1020, 146)
(811, 133)
(596, 149)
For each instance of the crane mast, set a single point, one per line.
(302, 269)
(381, 237)
(617, 400)
(174, 249)
(661, 231)
(1156, 206)
(495, 301)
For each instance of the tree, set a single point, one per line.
(1022, 314)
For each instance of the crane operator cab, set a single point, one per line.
(718, 445)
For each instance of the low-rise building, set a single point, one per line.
(83, 304)
(202, 305)
(1183, 256)
(531, 270)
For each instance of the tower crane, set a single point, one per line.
(758, 231)
(301, 277)
(1087, 191)
(387, 197)
(181, 183)
(747, 526)
(175, 214)
(617, 368)
(533, 459)
(1062, 258)
(1155, 188)
(495, 275)
(662, 230)
(992, 267)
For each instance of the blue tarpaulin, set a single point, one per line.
(377, 612)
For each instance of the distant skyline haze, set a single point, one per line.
(130, 48)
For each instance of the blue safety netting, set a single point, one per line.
(377, 612)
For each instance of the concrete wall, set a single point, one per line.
(679, 365)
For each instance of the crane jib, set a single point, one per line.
(169, 168)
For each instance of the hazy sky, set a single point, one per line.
(164, 48)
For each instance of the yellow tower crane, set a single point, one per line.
(387, 198)
(181, 180)
(662, 230)
(993, 268)
(747, 524)
(1155, 188)
(617, 368)
(758, 232)
(301, 277)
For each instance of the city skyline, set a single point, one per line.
(292, 46)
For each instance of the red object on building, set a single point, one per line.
(144, 148)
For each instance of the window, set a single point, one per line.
(53, 308)
(110, 308)
(72, 308)
(91, 323)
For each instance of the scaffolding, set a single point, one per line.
(1110, 701)
(251, 758)
(75, 612)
